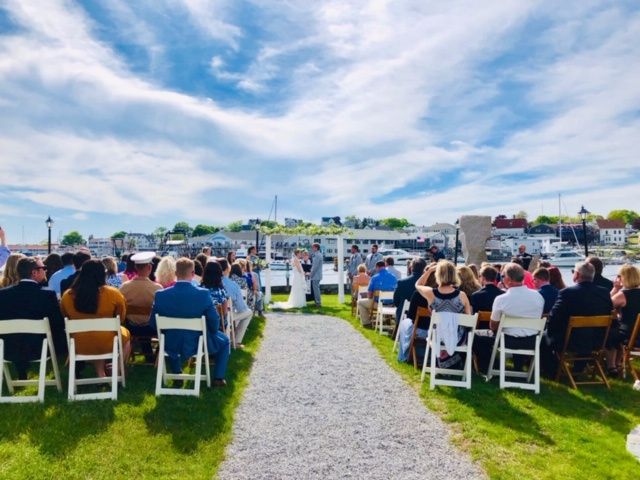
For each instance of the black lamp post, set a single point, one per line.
(455, 254)
(49, 223)
(257, 237)
(583, 215)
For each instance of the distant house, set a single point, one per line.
(328, 221)
(510, 227)
(140, 242)
(100, 247)
(612, 232)
(292, 222)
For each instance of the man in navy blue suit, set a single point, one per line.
(184, 300)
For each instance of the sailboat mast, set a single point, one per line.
(559, 217)
(275, 215)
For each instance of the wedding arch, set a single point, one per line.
(311, 231)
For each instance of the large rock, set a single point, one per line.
(475, 231)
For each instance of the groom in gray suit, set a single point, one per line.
(316, 272)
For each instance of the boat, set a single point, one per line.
(566, 258)
(279, 265)
(400, 257)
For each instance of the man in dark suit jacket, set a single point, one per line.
(482, 300)
(27, 300)
(598, 279)
(79, 258)
(184, 300)
(582, 299)
(407, 286)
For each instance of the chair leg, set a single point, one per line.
(71, 395)
(503, 361)
(114, 369)
(602, 374)
(42, 375)
(160, 368)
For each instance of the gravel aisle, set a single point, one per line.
(322, 404)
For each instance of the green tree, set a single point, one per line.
(201, 229)
(522, 214)
(120, 234)
(395, 223)
(234, 226)
(627, 216)
(545, 219)
(73, 238)
(352, 219)
(183, 227)
(268, 224)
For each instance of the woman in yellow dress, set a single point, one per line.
(90, 297)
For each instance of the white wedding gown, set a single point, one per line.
(298, 295)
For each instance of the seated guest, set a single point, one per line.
(166, 272)
(474, 268)
(625, 296)
(598, 279)
(202, 259)
(184, 300)
(139, 294)
(242, 313)
(10, 275)
(114, 279)
(4, 250)
(407, 286)
(360, 279)
(27, 300)
(482, 300)
(555, 278)
(255, 293)
(206, 251)
(197, 275)
(582, 299)
(53, 262)
(528, 277)
(91, 297)
(383, 281)
(65, 272)
(518, 301)
(468, 282)
(415, 301)
(79, 258)
(231, 257)
(389, 262)
(155, 261)
(548, 291)
(130, 268)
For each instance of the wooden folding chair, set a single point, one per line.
(421, 312)
(202, 355)
(467, 321)
(230, 330)
(484, 320)
(36, 327)
(533, 324)
(137, 340)
(403, 315)
(385, 311)
(631, 352)
(95, 325)
(355, 295)
(567, 359)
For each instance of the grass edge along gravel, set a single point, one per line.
(137, 436)
(560, 433)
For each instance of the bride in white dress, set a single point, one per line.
(298, 295)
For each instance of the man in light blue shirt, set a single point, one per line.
(242, 314)
(4, 251)
(65, 272)
(383, 281)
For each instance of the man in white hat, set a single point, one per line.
(139, 294)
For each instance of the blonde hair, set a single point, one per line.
(630, 276)
(362, 268)
(110, 264)
(166, 271)
(468, 281)
(10, 276)
(446, 274)
(184, 267)
(242, 263)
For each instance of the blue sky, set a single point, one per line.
(133, 115)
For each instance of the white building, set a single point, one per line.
(612, 232)
(140, 242)
(100, 247)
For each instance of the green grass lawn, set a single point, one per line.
(138, 436)
(560, 433)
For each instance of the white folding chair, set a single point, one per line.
(385, 311)
(193, 324)
(115, 355)
(535, 325)
(405, 309)
(230, 330)
(36, 327)
(467, 321)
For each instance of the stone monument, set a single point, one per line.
(475, 231)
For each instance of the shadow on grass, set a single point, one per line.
(190, 420)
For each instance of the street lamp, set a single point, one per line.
(583, 215)
(49, 223)
(257, 237)
(455, 255)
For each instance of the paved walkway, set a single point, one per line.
(321, 403)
